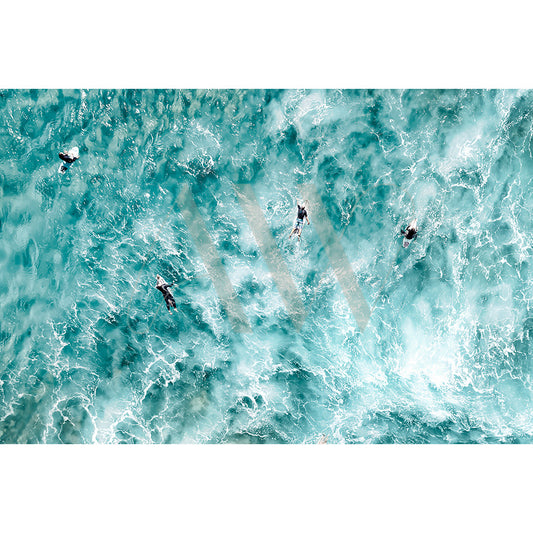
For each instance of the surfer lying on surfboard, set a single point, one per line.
(163, 287)
(68, 158)
(302, 213)
(410, 233)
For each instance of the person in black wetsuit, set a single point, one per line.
(410, 232)
(68, 158)
(163, 287)
(302, 213)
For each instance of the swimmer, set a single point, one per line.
(323, 439)
(410, 233)
(302, 213)
(163, 287)
(68, 158)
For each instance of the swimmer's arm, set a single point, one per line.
(402, 232)
(307, 218)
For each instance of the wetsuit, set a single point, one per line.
(67, 161)
(66, 158)
(169, 299)
(409, 234)
(302, 213)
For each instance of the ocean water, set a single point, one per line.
(89, 353)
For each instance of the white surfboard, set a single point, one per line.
(75, 154)
(160, 281)
(414, 226)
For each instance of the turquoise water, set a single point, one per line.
(89, 353)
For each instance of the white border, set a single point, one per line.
(266, 488)
(279, 43)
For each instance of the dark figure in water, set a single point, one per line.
(410, 233)
(68, 158)
(163, 287)
(299, 225)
